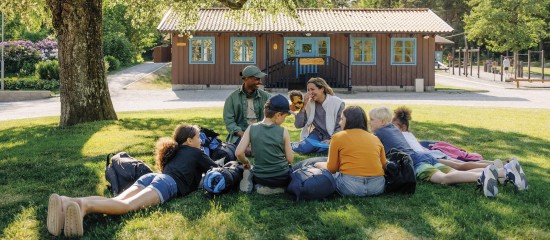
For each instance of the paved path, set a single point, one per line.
(495, 94)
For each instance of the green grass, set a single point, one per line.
(537, 71)
(38, 158)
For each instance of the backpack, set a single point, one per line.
(225, 150)
(122, 170)
(215, 148)
(220, 180)
(311, 183)
(399, 173)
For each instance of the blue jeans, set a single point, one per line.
(163, 184)
(348, 185)
(305, 147)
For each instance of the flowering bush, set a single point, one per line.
(20, 56)
(48, 49)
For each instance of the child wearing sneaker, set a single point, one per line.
(426, 167)
(402, 118)
(271, 149)
(181, 162)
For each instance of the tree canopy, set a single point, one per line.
(507, 25)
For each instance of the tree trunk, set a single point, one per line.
(83, 84)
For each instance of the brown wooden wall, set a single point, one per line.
(381, 74)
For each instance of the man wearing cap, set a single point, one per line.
(245, 105)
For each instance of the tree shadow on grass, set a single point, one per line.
(36, 161)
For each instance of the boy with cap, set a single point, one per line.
(245, 105)
(271, 148)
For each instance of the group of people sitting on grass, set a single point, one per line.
(356, 156)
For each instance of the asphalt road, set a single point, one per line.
(493, 93)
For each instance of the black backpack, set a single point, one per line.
(225, 150)
(220, 180)
(399, 173)
(122, 170)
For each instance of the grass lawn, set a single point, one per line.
(38, 158)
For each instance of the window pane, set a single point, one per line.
(397, 58)
(307, 48)
(248, 50)
(398, 44)
(369, 58)
(409, 44)
(322, 44)
(290, 48)
(237, 46)
(207, 54)
(322, 52)
(196, 53)
(196, 43)
(409, 53)
(357, 43)
(357, 58)
(368, 44)
(357, 51)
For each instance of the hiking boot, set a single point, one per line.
(515, 174)
(56, 220)
(498, 164)
(488, 181)
(246, 184)
(265, 190)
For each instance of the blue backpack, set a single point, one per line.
(311, 183)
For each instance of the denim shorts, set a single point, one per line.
(163, 184)
(348, 185)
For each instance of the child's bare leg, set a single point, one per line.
(145, 198)
(463, 166)
(454, 176)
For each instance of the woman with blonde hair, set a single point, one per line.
(319, 118)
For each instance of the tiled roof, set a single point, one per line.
(413, 20)
(442, 40)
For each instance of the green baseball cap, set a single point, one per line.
(252, 71)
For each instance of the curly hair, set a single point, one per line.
(402, 117)
(167, 148)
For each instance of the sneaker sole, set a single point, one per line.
(519, 177)
(55, 215)
(73, 221)
(269, 191)
(490, 183)
(246, 183)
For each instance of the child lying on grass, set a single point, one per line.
(181, 162)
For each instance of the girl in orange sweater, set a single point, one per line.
(356, 157)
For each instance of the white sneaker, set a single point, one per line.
(488, 181)
(515, 174)
(265, 190)
(498, 164)
(246, 183)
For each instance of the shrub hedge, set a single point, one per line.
(48, 70)
(30, 83)
(114, 63)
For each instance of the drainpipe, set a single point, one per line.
(2, 63)
(349, 62)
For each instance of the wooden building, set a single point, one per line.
(359, 49)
